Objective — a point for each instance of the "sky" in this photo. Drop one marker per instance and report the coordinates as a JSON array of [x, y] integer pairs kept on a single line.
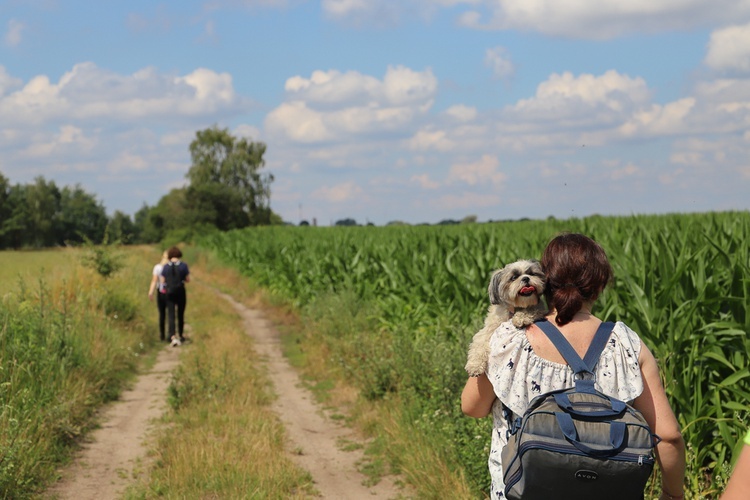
[[389, 110]]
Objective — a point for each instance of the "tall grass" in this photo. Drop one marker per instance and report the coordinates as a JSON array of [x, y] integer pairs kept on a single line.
[[68, 342], [681, 282]]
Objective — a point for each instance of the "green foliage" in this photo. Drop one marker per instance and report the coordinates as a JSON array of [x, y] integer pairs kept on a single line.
[[102, 258], [681, 281], [58, 362]]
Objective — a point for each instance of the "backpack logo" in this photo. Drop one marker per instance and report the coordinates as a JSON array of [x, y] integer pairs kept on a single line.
[[587, 475]]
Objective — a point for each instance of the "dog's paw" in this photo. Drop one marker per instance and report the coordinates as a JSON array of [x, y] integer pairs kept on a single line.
[[475, 371]]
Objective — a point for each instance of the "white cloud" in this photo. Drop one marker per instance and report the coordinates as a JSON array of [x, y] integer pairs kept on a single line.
[[331, 105], [567, 100], [297, 122], [603, 19], [462, 113], [400, 85], [659, 119], [13, 35], [431, 140], [88, 92], [498, 60], [481, 171], [729, 49]]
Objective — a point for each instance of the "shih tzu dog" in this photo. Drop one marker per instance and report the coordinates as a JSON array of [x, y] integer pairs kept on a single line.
[[515, 294]]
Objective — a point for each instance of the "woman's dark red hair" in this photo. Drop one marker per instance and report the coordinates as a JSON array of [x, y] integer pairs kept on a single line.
[[577, 271]]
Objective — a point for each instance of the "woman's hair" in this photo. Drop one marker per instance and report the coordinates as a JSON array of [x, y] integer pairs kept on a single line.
[[174, 253], [577, 271], [164, 258]]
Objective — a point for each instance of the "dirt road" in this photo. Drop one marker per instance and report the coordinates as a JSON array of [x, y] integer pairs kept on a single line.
[[114, 454]]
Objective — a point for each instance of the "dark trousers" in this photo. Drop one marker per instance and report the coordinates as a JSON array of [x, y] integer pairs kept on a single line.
[[161, 305], [176, 304]]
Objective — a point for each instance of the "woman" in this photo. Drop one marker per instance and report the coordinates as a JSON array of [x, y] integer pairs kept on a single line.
[[524, 363], [174, 275], [158, 288]]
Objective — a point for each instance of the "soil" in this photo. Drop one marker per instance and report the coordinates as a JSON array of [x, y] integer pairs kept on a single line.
[[115, 454]]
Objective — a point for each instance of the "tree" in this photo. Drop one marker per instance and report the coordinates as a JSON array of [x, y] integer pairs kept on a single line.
[[346, 222], [226, 168], [81, 217], [43, 213], [121, 228]]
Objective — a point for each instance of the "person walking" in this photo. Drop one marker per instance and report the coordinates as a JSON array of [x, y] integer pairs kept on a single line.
[[524, 363], [157, 289], [174, 275]]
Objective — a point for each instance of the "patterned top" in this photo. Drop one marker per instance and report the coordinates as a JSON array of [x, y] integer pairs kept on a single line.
[[518, 375]]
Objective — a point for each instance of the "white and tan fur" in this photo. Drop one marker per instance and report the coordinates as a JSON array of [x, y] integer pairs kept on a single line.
[[515, 294]]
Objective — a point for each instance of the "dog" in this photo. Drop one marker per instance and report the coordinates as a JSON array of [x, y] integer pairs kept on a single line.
[[515, 294]]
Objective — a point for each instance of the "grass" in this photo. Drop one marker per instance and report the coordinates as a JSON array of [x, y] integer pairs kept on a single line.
[[69, 341]]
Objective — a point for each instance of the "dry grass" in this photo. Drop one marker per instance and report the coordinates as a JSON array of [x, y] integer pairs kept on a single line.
[[222, 441]]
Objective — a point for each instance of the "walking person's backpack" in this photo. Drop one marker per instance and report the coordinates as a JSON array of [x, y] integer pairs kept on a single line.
[[173, 279], [578, 442]]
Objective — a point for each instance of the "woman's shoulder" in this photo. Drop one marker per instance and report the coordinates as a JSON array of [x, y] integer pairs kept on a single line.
[[626, 337]]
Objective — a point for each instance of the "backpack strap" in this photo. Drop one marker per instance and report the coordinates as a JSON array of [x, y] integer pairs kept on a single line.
[[579, 366]]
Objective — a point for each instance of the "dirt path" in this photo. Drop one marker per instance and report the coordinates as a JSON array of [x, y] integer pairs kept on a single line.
[[312, 435], [115, 454]]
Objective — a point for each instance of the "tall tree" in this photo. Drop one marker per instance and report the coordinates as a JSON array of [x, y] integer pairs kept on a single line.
[[43, 205], [81, 217], [121, 228], [227, 167]]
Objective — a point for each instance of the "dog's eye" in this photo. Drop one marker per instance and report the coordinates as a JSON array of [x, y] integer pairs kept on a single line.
[[514, 277]]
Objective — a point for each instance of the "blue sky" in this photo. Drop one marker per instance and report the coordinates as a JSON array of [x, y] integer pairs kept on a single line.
[[411, 110]]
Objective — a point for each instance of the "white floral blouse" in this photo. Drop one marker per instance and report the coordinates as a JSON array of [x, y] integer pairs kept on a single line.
[[518, 375]]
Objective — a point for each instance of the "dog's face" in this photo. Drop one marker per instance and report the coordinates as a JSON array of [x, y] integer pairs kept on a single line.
[[519, 284]]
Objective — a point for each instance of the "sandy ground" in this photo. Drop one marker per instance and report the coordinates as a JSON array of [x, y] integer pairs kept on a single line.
[[115, 454]]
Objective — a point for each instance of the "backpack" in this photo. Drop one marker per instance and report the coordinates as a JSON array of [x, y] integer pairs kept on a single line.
[[173, 279], [578, 442]]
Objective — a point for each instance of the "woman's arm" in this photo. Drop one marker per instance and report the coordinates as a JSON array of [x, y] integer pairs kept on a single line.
[[739, 483], [654, 405], [477, 396], [151, 288]]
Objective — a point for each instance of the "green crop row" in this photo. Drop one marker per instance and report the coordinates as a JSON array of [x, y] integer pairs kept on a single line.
[[681, 281]]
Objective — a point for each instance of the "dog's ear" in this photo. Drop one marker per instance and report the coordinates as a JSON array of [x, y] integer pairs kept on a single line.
[[494, 288]]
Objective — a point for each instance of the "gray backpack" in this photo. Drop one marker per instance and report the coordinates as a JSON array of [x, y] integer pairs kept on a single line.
[[578, 442]]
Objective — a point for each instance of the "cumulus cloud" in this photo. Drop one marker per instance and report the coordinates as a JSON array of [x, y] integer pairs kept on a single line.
[[88, 92], [604, 19], [13, 35], [331, 105], [729, 50], [584, 100]]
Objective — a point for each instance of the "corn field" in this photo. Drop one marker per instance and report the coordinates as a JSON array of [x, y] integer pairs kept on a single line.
[[681, 281]]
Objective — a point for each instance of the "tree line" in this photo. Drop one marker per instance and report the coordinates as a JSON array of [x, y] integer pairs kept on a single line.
[[225, 190]]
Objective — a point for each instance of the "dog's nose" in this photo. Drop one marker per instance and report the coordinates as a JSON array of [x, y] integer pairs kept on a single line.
[[525, 279]]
